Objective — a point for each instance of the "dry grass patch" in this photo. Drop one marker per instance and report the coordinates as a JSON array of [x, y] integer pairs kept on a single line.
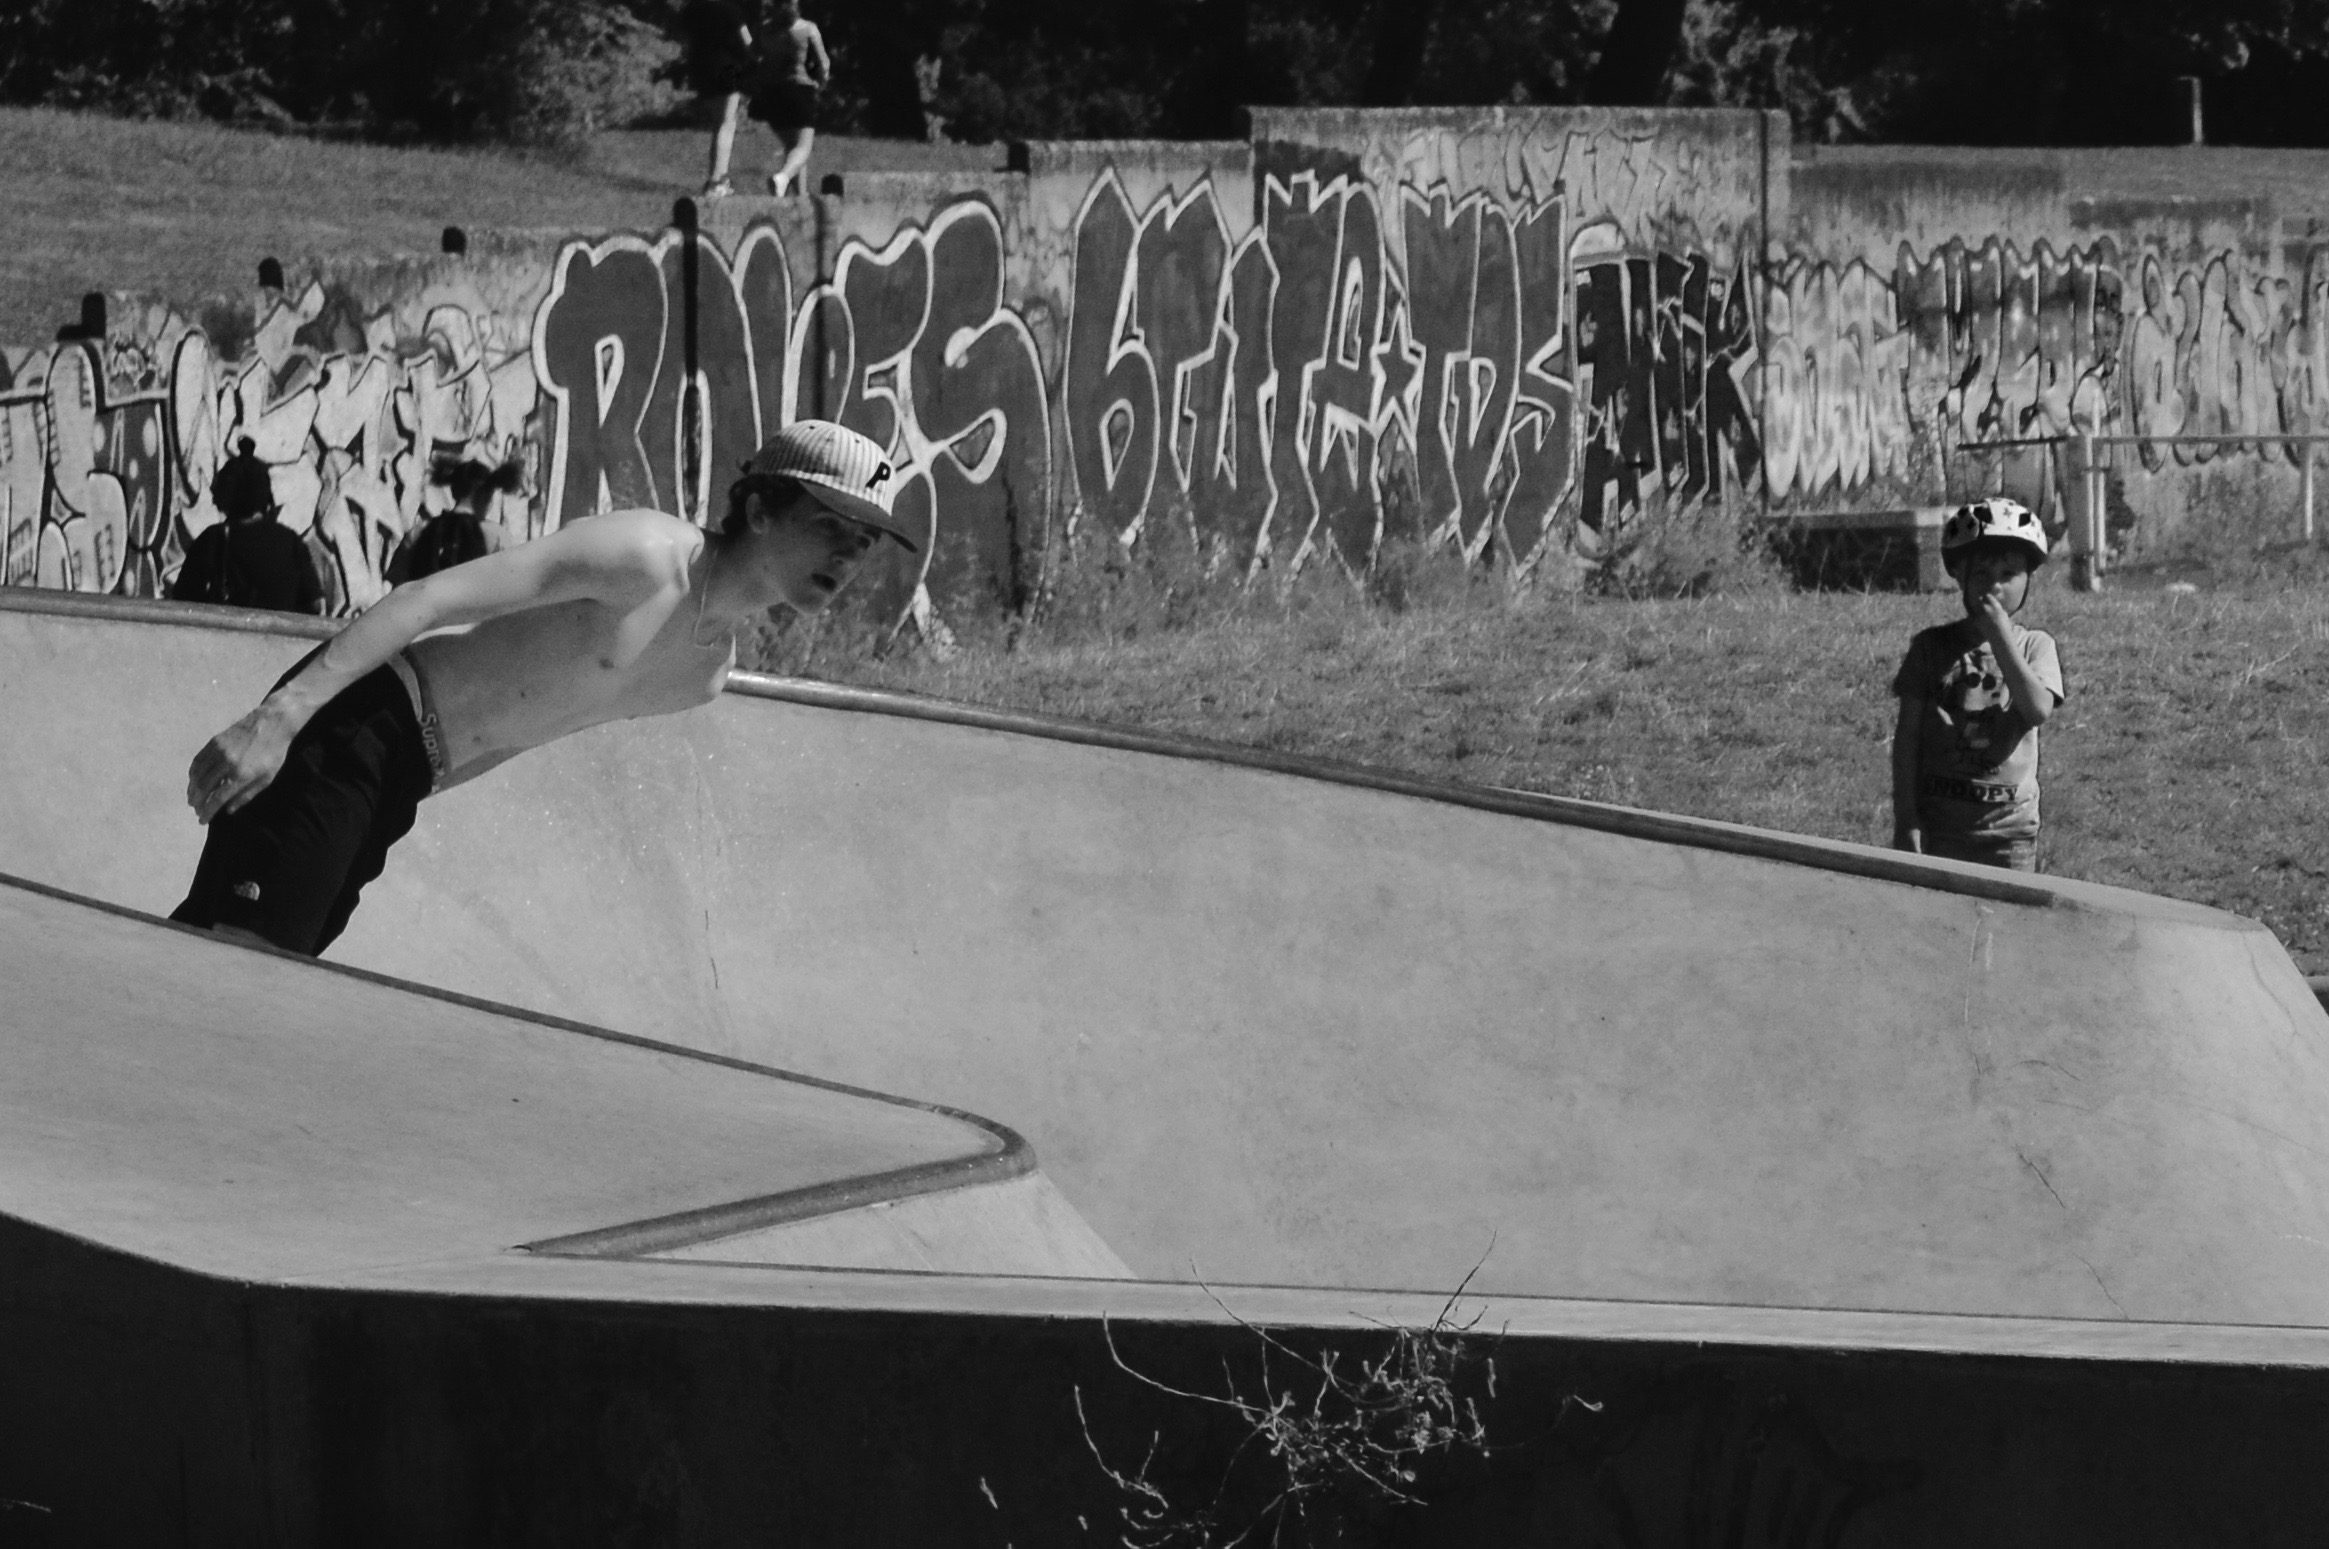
[[2185, 763]]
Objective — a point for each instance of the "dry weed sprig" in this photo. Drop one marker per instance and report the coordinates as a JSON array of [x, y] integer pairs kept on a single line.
[[1364, 1427]]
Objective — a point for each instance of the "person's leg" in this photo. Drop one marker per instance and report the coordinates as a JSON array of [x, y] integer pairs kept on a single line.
[[717, 186], [392, 818], [2010, 854], [271, 870], [796, 158], [249, 938]]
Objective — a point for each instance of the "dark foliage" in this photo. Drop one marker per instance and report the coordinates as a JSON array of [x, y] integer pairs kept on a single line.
[[1635, 54], [1976, 72], [2069, 72], [388, 69]]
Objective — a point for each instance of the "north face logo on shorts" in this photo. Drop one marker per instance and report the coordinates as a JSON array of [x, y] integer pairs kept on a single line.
[[247, 891]]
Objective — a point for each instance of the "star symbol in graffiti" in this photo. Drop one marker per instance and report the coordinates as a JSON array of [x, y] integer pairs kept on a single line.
[[1396, 362]]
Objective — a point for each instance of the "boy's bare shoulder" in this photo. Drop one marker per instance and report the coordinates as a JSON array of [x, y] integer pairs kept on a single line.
[[634, 520], [615, 535], [625, 550]]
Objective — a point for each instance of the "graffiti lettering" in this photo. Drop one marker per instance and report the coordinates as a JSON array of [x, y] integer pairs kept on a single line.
[[1268, 380]]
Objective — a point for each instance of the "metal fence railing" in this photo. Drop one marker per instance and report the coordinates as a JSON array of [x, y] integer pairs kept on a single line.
[[2086, 483]]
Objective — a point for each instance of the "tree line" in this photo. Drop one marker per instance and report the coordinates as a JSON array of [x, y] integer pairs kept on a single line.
[[2027, 72]]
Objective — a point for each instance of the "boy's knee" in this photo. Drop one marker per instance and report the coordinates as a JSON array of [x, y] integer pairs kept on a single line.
[[242, 934]]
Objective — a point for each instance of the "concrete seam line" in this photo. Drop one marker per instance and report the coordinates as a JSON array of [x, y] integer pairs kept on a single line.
[[686, 1228], [1009, 1143]]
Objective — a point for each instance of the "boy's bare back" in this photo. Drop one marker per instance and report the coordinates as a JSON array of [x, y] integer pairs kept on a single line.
[[522, 679]]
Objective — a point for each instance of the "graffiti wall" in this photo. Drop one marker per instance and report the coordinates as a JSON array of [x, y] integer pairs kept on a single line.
[[107, 446], [1874, 377], [1925, 306], [1510, 331]]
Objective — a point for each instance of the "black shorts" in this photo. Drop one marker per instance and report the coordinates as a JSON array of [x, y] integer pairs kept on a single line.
[[785, 105], [290, 864], [726, 68]]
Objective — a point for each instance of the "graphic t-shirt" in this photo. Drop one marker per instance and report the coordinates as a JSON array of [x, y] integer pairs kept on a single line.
[[1977, 761]]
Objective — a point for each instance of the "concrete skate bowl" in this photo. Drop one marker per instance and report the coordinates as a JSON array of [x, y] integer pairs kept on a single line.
[[1274, 1023]]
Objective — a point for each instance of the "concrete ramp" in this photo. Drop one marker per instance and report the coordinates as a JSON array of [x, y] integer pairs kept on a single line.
[[253, 1116], [1270, 1022]]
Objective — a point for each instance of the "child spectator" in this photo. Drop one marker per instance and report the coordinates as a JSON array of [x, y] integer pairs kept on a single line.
[[463, 533], [249, 560], [1972, 697]]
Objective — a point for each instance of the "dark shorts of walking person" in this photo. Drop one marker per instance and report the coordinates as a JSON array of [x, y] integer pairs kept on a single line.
[[785, 105], [290, 866]]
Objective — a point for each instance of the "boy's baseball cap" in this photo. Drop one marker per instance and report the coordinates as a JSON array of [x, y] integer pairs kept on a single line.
[[842, 471]]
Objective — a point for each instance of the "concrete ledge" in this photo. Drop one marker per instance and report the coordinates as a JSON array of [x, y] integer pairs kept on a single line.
[[1894, 550], [1090, 158]]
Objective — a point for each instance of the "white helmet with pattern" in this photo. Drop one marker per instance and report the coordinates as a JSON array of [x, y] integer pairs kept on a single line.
[[1996, 517]]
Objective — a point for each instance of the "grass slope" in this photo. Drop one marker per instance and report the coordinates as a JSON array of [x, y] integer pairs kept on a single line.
[[188, 210]]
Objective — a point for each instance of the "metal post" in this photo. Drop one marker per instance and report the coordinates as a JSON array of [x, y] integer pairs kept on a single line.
[[2085, 562], [691, 407], [2191, 92], [2306, 484], [823, 208], [2098, 511]]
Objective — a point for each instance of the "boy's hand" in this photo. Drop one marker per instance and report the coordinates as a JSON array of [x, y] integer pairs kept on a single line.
[[237, 764], [1909, 837], [1991, 618]]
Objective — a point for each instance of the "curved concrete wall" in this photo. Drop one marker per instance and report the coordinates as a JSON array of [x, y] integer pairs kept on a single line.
[[1265, 1028]]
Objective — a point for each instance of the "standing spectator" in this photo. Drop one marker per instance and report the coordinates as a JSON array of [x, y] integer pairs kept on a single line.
[[250, 560], [1973, 693], [724, 41], [462, 533], [793, 72]]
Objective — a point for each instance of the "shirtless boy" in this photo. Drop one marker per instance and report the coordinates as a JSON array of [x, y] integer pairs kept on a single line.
[[622, 615]]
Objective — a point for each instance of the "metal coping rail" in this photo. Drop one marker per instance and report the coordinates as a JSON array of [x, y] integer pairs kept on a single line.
[[2288, 438], [1568, 811]]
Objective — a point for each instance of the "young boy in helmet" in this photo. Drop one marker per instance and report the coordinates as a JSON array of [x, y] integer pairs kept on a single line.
[[617, 616], [1972, 696]]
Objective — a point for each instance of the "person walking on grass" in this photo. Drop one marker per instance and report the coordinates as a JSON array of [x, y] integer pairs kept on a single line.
[[609, 618], [788, 69], [463, 533], [724, 38], [794, 70], [1972, 696], [248, 560]]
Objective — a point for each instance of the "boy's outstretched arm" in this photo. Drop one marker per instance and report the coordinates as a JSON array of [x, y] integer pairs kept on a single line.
[[1907, 833], [617, 559]]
